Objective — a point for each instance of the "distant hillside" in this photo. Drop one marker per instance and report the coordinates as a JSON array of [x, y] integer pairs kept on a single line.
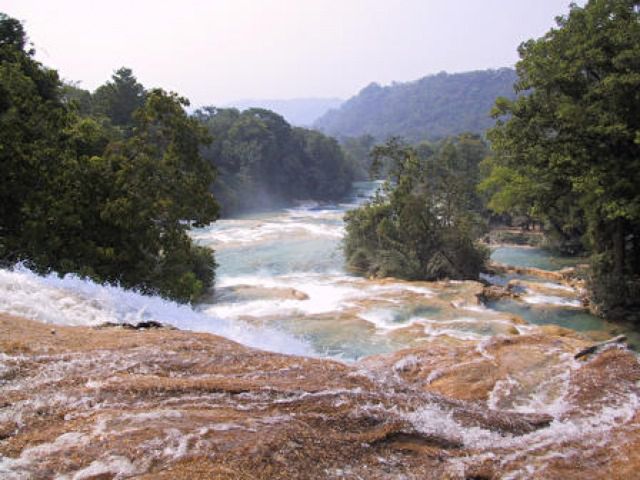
[[433, 107], [300, 112]]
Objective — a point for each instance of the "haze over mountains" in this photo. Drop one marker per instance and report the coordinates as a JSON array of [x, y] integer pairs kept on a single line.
[[301, 112], [430, 108]]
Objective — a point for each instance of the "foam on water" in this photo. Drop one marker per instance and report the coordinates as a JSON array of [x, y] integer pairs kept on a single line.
[[71, 300], [296, 249], [326, 293], [589, 431], [387, 319], [536, 299], [557, 286], [304, 221]]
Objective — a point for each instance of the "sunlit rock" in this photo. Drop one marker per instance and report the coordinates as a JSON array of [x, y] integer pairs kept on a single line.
[[159, 403]]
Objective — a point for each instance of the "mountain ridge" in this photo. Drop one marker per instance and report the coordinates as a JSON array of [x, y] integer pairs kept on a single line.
[[431, 107]]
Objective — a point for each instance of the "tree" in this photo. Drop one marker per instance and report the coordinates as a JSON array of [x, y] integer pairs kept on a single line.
[[423, 224], [357, 150], [80, 196], [138, 200], [264, 162], [573, 136], [32, 123], [78, 98], [119, 98]]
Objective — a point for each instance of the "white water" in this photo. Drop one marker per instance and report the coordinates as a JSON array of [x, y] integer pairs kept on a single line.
[[74, 301], [298, 250], [281, 286]]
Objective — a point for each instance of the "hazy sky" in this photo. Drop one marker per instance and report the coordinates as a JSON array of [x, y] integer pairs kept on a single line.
[[216, 51]]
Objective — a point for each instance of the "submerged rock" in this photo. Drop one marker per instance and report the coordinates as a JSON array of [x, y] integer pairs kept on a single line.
[[564, 275], [252, 292], [163, 404], [496, 292]]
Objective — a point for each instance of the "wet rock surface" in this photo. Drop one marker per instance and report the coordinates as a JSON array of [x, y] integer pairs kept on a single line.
[[157, 403]]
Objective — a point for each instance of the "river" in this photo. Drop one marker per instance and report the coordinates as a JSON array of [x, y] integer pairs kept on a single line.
[[121, 403], [282, 286]]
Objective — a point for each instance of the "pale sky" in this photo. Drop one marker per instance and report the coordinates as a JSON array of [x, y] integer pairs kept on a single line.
[[217, 51]]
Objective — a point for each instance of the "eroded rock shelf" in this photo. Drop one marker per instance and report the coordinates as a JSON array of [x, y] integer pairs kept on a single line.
[[79, 403]]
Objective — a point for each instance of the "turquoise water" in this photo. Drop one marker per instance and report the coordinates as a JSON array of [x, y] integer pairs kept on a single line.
[[285, 270], [575, 319], [578, 319], [281, 285], [521, 256]]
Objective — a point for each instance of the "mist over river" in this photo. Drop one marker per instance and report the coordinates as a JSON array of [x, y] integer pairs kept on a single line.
[[281, 285]]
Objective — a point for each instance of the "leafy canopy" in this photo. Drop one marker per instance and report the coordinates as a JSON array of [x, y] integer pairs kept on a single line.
[[568, 148], [264, 162], [110, 195], [424, 222]]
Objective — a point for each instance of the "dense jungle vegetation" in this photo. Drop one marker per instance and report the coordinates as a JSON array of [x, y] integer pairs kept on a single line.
[[565, 154], [108, 195], [567, 151], [432, 108], [263, 162], [106, 184], [424, 223]]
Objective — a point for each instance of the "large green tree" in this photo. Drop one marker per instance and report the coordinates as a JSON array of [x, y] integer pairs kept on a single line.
[[424, 223], [124, 206], [568, 148], [32, 123], [78, 195]]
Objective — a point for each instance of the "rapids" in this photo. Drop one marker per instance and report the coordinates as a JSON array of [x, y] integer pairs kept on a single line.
[[449, 386], [282, 286]]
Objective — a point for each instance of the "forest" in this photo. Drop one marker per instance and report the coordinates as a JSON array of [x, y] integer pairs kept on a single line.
[[432, 108], [567, 151], [107, 183], [564, 153], [263, 162]]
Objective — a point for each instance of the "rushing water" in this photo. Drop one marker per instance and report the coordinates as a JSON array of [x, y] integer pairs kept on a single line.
[[285, 269], [281, 285]]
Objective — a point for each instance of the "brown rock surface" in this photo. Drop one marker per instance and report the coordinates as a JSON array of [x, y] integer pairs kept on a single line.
[[564, 275], [158, 404]]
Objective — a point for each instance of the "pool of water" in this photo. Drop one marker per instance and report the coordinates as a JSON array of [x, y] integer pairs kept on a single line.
[[522, 256]]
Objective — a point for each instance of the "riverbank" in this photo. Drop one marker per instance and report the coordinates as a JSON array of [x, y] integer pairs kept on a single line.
[[81, 403], [546, 288]]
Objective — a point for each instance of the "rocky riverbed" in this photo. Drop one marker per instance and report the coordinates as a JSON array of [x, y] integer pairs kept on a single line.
[[101, 403]]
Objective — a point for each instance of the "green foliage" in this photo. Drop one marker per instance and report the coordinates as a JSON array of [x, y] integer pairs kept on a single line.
[[423, 223], [358, 150], [79, 195], [32, 120], [431, 108], [119, 98], [567, 150], [78, 98], [263, 161]]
